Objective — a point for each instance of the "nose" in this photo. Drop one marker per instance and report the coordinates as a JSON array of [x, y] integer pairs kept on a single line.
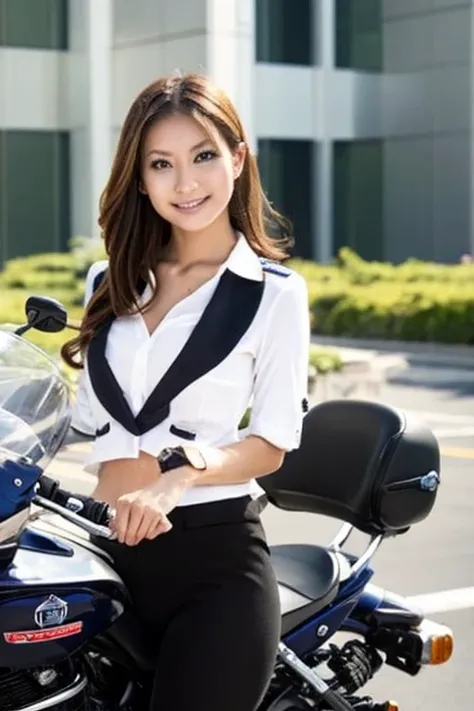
[[186, 183]]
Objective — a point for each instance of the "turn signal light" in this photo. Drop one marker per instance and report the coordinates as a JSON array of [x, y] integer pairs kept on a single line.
[[441, 648], [437, 642]]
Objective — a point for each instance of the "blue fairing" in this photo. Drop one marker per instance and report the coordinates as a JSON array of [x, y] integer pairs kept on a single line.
[[87, 597], [17, 482], [332, 619]]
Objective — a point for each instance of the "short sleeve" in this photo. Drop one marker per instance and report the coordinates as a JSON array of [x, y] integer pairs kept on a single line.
[[93, 272], [281, 368], [82, 418]]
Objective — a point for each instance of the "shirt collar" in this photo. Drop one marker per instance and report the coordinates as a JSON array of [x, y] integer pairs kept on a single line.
[[243, 261]]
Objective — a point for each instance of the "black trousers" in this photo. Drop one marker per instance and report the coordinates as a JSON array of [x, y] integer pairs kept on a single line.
[[208, 594]]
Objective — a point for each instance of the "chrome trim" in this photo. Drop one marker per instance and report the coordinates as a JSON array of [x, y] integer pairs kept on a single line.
[[341, 537], [79, 684], [368, 553], [311, 677], [92, 528], [426, 631], [305, 672]]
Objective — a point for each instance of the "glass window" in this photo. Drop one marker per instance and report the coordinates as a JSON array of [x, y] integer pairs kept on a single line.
[[284, 31], [358, 197], [34, 194], [286, 168], [359, 35], [35, 24]]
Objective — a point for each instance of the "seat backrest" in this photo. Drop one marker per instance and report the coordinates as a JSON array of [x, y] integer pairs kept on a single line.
[[361, 462]]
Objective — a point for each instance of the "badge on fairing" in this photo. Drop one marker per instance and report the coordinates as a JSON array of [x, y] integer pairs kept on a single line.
[[52, 612]]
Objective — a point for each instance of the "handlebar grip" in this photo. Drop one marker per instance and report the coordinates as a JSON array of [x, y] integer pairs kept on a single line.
[[95, 511], [85, 506], [48, 488]]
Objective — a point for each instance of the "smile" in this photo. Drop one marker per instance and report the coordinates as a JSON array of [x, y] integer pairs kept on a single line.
[[191, 205]]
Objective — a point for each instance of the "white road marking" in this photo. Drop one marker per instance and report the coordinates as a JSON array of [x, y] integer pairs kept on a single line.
[[443, 417], [444, 601], [456, 432]]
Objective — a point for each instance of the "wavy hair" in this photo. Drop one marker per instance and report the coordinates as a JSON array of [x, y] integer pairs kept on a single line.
[[134, 234]]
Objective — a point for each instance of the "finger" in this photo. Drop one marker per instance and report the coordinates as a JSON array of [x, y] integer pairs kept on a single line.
[[148, 523], [137, 515], [120, 522], [163, 526]]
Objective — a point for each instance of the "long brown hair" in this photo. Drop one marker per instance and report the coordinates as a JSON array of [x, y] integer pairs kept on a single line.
[[134, 234]]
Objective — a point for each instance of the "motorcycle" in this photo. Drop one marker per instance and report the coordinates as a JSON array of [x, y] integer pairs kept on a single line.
[[69, 640]]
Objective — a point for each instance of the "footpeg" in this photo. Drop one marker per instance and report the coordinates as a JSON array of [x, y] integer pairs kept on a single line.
[[370, 705], [323, 692]]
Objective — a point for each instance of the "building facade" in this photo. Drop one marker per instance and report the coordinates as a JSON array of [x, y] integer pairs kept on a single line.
[[360, 112]]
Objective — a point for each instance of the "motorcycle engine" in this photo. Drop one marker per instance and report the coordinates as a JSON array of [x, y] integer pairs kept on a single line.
[[62, 687]]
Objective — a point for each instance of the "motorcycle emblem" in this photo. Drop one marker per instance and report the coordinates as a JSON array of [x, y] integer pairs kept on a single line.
[[52, 612]]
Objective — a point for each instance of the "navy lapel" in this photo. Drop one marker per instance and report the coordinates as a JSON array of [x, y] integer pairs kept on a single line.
[[225, 320], [104, 383]]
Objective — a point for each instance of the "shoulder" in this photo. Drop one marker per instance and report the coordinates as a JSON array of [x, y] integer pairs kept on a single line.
[[280, 278], [96, 270], [270, 267]]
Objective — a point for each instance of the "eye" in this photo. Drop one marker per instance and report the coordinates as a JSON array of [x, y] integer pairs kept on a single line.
[[160, 164], [205, 156]]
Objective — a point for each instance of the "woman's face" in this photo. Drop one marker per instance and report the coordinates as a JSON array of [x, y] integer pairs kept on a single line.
[[188, 177]]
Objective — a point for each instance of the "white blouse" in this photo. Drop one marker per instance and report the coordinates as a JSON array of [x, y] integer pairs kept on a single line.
[[267, 369]]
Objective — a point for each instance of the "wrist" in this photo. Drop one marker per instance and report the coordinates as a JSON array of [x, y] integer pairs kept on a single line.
[[184, 476], [182, 457]]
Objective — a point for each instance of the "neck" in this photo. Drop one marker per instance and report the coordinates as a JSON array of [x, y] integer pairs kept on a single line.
[[212, 244]]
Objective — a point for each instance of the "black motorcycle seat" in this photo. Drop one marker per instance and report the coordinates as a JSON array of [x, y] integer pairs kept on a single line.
[[308, 578]]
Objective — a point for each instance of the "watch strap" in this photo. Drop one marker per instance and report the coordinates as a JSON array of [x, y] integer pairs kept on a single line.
[[172, 458]]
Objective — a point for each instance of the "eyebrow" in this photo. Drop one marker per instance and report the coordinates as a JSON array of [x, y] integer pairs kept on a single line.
[[199, 145]]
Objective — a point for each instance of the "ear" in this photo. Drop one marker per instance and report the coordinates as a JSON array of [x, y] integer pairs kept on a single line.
[[141, 188], [238, 159]]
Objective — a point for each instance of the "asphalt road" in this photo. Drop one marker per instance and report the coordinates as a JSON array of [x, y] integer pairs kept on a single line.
[[435, 556]]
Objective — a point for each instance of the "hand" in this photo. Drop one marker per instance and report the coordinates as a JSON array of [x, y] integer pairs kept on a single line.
[[143, 513]]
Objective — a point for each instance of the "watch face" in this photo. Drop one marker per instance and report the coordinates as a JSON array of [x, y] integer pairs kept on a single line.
[[195, 457]]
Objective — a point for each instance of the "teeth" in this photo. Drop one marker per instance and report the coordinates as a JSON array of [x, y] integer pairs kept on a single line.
[[190, 205]]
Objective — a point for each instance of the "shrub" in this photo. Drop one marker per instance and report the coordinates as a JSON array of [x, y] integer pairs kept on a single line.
[[40, 272], [357, 271], [85, 252], [415, 300], [397, 311], [324, 360]]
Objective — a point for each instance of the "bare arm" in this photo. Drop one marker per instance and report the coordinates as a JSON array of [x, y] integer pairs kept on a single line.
[[250, 458]]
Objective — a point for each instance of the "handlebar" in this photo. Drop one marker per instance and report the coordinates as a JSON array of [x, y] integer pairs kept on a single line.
[[91, 515]]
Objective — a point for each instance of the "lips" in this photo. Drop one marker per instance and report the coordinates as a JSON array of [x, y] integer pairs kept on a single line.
[[190, 205]]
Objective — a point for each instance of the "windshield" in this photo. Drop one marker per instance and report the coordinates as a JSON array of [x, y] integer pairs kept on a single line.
[[34, 403]]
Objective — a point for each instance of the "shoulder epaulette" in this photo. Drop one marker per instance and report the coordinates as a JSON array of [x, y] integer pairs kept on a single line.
[[274, 268]]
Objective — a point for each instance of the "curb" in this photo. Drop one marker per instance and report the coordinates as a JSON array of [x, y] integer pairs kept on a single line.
[[428, 354]]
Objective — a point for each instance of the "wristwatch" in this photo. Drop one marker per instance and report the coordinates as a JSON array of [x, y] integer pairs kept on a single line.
[[175, 457]]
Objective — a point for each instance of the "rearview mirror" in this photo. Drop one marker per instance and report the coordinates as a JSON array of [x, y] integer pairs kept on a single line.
[[44, 314]]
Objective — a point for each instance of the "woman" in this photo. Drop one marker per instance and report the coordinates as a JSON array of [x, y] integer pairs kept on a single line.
[[185, 327]]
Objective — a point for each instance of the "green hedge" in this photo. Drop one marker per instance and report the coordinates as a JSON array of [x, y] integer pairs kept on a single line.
[[394, 311], [351, 269], [62, 277], [54, 275], [413, 301]]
